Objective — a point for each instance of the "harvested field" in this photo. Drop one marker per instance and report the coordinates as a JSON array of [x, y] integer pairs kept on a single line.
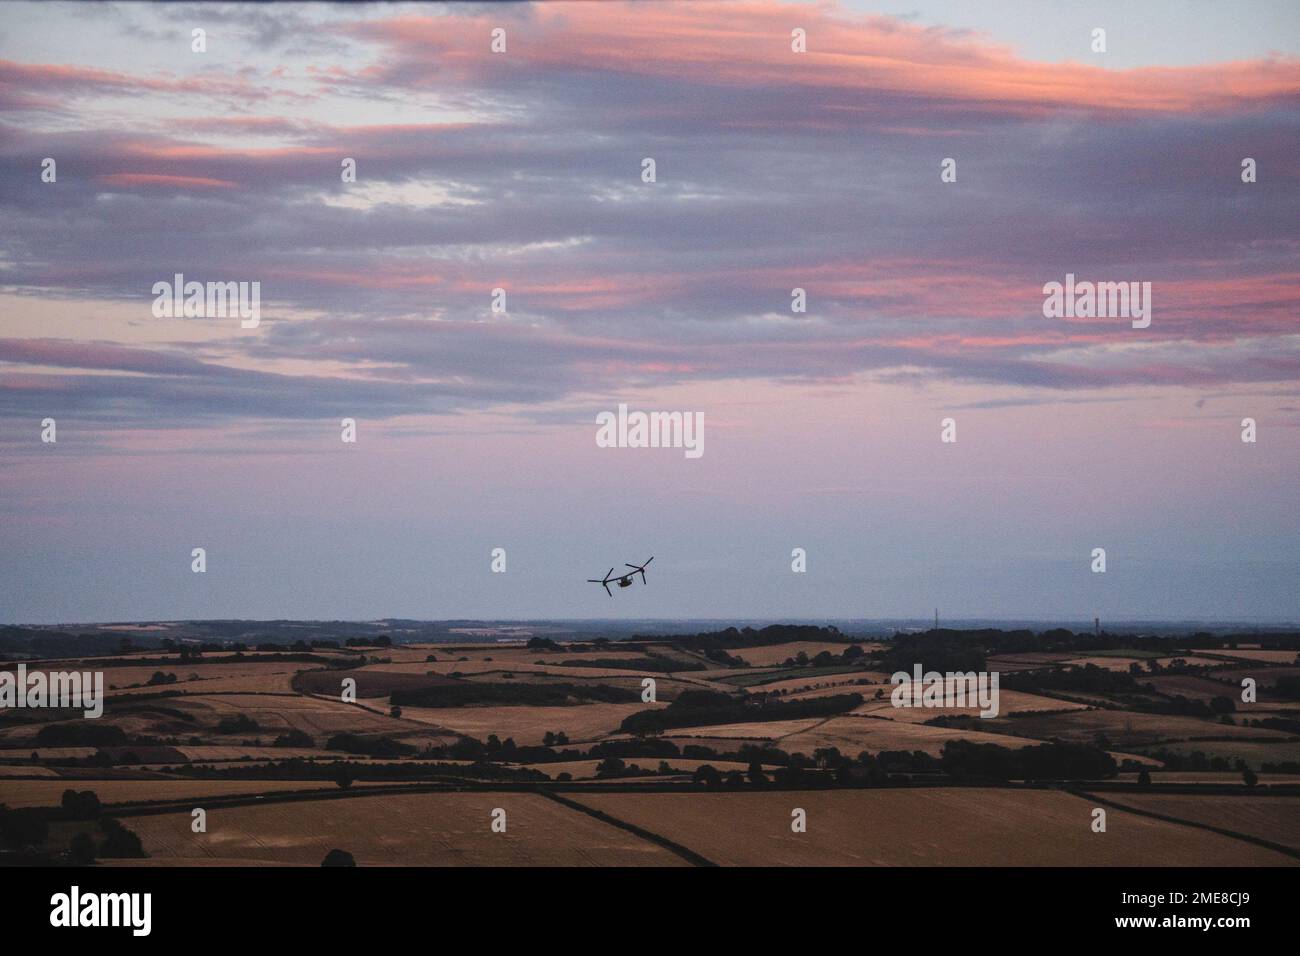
[[1129, 729], [141, 720], [1267, 657], [23, 753], [773, 655], [586, 769], [528, 725], [666, 688], [275, 714], [756, 730], [923, 827], [1229, 778], [850, 734], [559, 660], [1122, 663], [18, 770], [1009, 702], [265, 681], [1273, 818], [1206, 689], [42, 793], [469, 669], [1264, 676], [434, 829], [765, 680], [370, 682], [853, 682], [190, 674], [1254, 754], [204, 753]]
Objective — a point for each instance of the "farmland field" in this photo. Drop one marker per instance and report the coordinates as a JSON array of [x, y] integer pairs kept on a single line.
[[436, 829], [1126, 729], [934, 827], [279, 713], [1276, 819], [855, 734], [273, 729], [528, 725], [47, 793], [773, 655]]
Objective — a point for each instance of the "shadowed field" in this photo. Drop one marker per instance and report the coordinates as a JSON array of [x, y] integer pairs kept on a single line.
[[434, 829]]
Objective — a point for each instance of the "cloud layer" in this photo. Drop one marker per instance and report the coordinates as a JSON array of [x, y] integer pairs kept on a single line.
[[522, 171]]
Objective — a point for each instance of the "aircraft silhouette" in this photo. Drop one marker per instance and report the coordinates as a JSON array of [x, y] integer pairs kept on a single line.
[[624, 580]]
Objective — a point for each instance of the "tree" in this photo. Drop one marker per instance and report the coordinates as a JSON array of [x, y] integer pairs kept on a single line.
[[1249, 776], [338, 857], [1144, 777], [83, 805], [119, 842], [395, 711], [23, 827], [828, 758], [82, 849], [343, 779], [706, 775]]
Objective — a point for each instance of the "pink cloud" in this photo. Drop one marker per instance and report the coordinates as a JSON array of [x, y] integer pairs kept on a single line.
[[156, 179], [748, 45]]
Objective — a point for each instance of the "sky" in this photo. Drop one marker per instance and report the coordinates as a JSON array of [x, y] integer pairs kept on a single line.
[[522, 170]]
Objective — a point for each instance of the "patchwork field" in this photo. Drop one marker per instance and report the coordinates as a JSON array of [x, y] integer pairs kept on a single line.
[[874, 779]]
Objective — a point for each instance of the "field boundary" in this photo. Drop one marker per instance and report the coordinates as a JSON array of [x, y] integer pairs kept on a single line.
[[1166, 818], [684, 852]]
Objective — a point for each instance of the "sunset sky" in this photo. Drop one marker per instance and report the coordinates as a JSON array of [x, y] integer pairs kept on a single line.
[[775, 170]]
